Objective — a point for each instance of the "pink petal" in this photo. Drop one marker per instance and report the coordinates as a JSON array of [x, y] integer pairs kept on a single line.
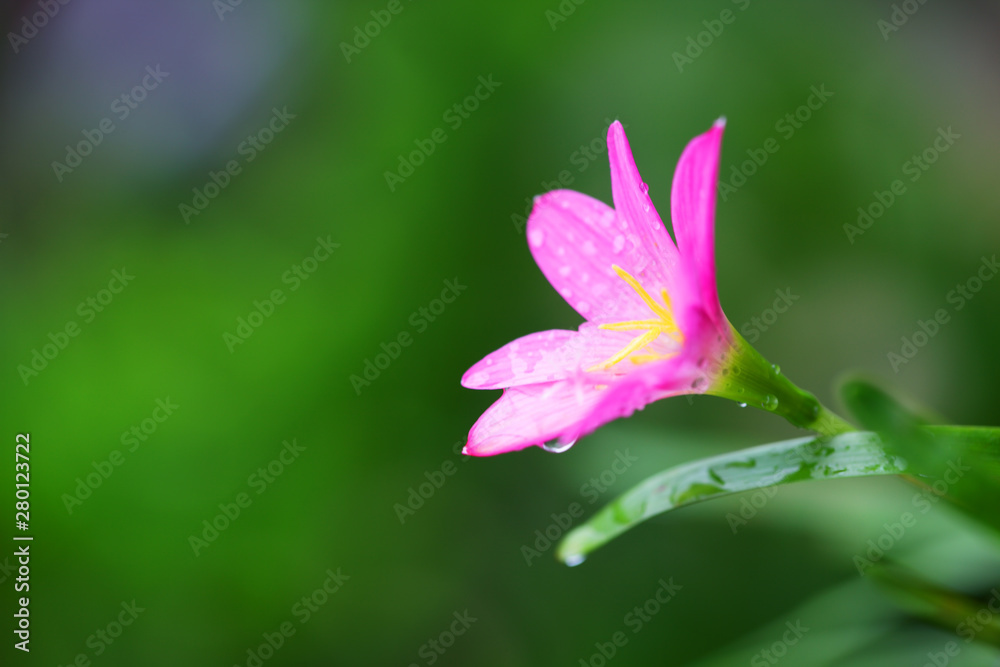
[[546, 356], [633, 204], [576, 240], [646, 384], [692, 207], [531, 415]]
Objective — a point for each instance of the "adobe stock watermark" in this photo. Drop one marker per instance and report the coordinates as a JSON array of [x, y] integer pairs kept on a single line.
[[87, 310], [562, 12], [635, 620], [223, 7], [922, 502], [581, 158], [420, 320], [786, 127], [759, 324], [249, 149], [779, 648], [454, 116], [899, 16], [105, 636], [302, 611], [957, 298], [697, 44], [752, 504], [121, 108], [435, 647], [258, 481], [294, 276], [913, 168], [433, 480], [971, 626], [32, 23], [591, 491], [363, 36], [103, 469]]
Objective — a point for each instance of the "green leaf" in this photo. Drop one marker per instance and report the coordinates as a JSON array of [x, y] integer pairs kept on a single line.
[[879, 409], [959, 465], [940, 458], [948, 609], [855, 454]]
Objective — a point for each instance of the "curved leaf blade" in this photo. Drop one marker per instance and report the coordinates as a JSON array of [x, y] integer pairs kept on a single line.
[[855, 454]]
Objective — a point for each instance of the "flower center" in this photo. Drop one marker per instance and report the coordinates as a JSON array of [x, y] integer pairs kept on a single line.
[[652, 328]]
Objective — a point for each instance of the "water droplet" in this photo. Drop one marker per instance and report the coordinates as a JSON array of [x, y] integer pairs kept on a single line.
[[698, 383], [743, 405], [619, 244], [644, 188], [770, 402], [740, 390], [737, 370], [574, 559], [776, 368], [558, 446], [565, 270], [701, 362], [536, 238], [725, 371]]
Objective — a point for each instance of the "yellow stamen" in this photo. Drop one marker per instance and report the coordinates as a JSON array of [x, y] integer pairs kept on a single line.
[[663, 324], [636, 344], [643, 294], [643, 358]]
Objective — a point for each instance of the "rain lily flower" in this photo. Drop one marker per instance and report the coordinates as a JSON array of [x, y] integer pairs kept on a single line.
[[654, 326]]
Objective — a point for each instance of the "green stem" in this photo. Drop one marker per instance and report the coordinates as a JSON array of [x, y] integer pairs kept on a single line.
[[747, 377]]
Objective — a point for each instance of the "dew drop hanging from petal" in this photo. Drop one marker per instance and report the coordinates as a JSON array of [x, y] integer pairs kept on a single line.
[[558, 446]]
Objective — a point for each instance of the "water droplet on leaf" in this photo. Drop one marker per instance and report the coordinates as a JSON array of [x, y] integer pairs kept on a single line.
[[743, 405], [574, 559], [770, 402]]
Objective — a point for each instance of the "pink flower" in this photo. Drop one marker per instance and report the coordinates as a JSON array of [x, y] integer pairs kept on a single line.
[[654, 324]]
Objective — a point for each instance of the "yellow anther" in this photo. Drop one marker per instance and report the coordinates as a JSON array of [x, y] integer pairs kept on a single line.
[[637, 344], [663, 324], [643, 294]]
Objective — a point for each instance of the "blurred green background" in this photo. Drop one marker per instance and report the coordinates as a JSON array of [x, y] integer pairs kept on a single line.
[[561, 71]]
